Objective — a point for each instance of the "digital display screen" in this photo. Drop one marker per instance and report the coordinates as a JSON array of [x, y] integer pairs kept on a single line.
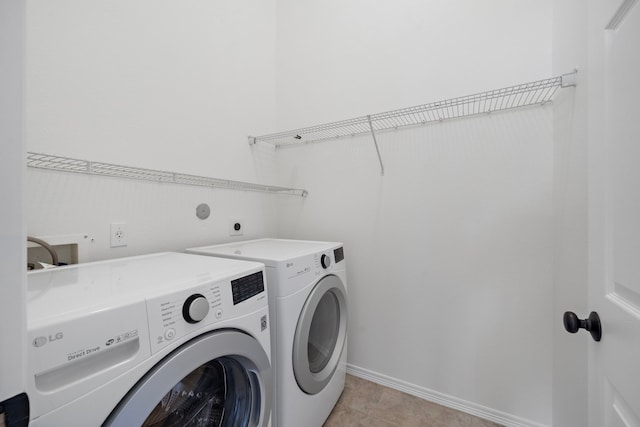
[[338, 254], [246, 287]]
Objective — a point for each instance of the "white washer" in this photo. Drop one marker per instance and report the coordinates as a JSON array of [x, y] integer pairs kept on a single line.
[[308, 303], [165, 339]]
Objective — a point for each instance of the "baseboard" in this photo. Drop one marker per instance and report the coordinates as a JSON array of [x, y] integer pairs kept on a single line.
[[499, 417]]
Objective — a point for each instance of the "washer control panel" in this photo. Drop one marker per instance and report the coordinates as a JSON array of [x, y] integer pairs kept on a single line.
[[195, 308], [178, 314], [246, 287]]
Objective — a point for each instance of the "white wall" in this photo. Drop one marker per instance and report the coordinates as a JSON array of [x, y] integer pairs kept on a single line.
[[570, 200], [154, 84], [450, 254], [158, 217], [12, 228], [360, 58]]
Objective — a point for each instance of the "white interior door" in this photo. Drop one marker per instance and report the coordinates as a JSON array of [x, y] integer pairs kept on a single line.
[[614, 210]]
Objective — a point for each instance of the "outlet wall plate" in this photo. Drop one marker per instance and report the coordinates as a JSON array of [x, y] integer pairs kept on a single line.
[[236, 227], [119, 235]]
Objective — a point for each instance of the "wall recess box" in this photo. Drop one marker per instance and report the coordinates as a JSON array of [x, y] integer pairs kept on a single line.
[[71, 249]]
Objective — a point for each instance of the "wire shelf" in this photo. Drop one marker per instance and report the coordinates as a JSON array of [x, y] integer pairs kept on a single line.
[[522, 95], [66, 164]]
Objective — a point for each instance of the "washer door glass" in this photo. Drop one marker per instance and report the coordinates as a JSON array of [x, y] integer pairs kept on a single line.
[[222, 379], [217, 393], [320, 335]]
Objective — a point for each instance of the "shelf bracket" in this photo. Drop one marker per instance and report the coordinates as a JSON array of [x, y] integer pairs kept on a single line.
[[375, 142], [569, 79]]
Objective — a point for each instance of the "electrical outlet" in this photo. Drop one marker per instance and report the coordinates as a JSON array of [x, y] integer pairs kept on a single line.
[[119, 236], [236, 227]]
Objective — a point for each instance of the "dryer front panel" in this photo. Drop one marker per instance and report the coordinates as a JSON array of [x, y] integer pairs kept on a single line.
[[320, 335]]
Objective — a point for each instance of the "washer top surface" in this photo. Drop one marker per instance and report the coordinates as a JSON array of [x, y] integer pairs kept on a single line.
[[268, 251], [85, 288]]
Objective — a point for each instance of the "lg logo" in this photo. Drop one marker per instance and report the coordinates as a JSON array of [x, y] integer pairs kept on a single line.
[[40, 341]]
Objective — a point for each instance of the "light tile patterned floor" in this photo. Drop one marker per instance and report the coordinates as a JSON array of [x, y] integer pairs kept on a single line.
[[366, 404]]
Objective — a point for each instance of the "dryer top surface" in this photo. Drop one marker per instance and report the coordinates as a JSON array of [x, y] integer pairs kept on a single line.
[[268, 251]]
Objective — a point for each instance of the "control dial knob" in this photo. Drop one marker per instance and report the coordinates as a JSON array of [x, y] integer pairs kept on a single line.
[[195, 308], [325, 260]]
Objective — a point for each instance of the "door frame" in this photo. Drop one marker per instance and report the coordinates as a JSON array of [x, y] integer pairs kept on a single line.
[[13, 275]]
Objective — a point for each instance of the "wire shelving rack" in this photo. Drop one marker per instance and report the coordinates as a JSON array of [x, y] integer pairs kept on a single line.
[[523, 95], [67, 164]]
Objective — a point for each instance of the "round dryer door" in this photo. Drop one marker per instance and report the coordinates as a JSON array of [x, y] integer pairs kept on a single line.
[[221, 379], [320, 335]]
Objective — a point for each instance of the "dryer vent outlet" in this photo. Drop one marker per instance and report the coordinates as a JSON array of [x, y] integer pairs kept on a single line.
[[236, 227]]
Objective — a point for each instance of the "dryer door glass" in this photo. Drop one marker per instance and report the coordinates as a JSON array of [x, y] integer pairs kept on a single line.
[[320, 335], [217, 393], [323, 332]]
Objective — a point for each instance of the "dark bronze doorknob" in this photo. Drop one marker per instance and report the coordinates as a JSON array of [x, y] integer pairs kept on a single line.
[[592, 324]]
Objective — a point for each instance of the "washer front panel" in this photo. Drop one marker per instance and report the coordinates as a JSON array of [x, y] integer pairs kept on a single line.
[[94, 324]]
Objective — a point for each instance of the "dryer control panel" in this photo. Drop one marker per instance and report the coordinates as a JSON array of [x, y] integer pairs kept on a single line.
[[325, 260]]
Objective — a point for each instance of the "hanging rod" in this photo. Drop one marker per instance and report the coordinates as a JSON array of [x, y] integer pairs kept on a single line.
[[522, 95], [67, 164]]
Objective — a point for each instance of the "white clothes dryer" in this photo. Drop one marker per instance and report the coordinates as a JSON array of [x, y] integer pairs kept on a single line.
[[308, 304], [165, 339]]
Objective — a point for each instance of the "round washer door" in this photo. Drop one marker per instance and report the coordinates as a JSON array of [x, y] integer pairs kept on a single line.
[[218, 379], [320, 335]]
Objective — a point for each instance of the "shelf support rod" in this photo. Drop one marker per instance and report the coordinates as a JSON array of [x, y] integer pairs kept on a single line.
[[375, 142]]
